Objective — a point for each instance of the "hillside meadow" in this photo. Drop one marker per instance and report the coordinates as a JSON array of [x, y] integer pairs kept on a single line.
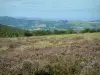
[[66, 54]]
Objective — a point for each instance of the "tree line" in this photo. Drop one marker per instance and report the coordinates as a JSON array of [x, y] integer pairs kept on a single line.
[[6, 31], [57, 32]]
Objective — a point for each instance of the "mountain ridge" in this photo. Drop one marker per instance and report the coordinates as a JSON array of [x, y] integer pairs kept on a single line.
[[37, 24]]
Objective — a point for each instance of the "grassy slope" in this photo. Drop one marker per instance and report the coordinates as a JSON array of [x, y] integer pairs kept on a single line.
[[80, 25], [7, 31], [72, 54]]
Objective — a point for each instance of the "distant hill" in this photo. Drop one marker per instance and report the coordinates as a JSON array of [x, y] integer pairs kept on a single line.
[[37, 24]]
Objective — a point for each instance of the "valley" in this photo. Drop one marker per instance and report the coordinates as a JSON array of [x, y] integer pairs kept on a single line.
[[40, 24]]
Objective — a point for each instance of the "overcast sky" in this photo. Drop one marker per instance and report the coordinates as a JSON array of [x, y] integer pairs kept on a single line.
[[53, 9]]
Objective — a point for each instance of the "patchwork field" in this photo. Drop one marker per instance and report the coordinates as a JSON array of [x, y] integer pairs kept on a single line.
[[68, 54]]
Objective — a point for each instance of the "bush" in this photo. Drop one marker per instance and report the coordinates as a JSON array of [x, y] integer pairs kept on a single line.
[[59, 32], [89, 30], [28, 33], [70, 31]]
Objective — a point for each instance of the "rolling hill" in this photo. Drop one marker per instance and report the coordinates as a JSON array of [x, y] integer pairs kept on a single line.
[[32, 24]]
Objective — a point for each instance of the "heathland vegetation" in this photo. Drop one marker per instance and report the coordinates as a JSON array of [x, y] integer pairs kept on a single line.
[[71, 54], [59, 52]]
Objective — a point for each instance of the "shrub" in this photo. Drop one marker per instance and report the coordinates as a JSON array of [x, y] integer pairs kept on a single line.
[[28, 33], [89, 30], [70, 31]]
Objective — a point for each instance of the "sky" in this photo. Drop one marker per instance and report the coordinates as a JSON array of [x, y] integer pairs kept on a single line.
[[52, 9]]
